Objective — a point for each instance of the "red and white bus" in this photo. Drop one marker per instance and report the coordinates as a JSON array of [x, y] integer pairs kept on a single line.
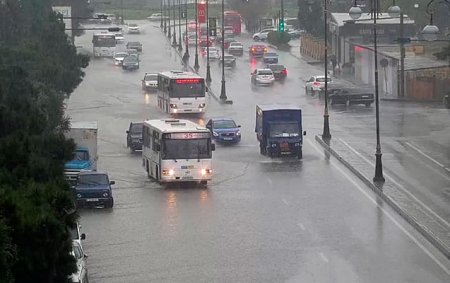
[[233, 19]]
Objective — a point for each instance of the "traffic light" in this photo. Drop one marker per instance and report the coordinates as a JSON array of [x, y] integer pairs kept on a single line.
[[281, 25], [212, 24]]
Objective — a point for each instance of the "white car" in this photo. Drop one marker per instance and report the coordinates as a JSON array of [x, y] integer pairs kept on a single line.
[[191, 40], [263, 77], [81, 275], [316, 84], [133, 28], [236, 48], [118, 58], [156, 17], [214, 53], [119, 37], [150, 81], [76, 234], [262, 35]]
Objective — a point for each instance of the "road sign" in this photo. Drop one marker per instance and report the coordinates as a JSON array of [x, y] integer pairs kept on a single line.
[[212, 25]]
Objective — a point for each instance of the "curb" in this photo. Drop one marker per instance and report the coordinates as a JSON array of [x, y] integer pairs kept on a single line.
[[411, 220]]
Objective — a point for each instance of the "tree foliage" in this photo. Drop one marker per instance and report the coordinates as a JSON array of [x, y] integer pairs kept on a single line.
[[38, 67], [278, 38], [310, 17], [251, 11]]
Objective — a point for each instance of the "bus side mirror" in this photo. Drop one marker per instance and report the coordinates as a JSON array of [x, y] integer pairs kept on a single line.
[[304, 133], [158, 147], [83, 236], [213, 146]]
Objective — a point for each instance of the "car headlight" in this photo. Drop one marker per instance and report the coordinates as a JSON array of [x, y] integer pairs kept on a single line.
[[238, 133], [201, 105], [215, 134], [274, 145], [78, 195], [105, 194]]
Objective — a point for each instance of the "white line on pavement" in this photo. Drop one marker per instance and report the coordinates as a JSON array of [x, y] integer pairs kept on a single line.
[[324, 258], [301, 226], [427, 156], [285, 201], [372, 200], [400, 186]]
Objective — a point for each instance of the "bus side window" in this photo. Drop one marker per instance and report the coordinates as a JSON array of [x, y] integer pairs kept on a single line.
[[155, 141]]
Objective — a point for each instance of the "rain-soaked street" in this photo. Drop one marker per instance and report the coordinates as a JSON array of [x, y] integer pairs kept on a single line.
[[260, 219]]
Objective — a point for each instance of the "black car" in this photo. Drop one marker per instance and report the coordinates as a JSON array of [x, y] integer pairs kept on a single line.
[[134, 136], [130, 62], [279, 71], [228, 61], [447, 101], [134, 45], [351, 95], [94, 188]]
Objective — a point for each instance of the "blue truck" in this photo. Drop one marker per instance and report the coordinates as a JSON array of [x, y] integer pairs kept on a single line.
[[279, 130]]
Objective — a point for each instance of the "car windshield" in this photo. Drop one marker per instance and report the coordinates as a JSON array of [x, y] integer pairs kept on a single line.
[[322, 80], [264, 72], [228, 57], [276, 67], [279, 130], [270, 54], [118, 35], [224, 124], [81, 155], [152, 77], [134, 44], [236, 44], [132, 25], [130, 59], [212, 49], [136, 128], [120, 55], [93, 179], [77, 252], [74, 235], [187, 90], [186, 149]]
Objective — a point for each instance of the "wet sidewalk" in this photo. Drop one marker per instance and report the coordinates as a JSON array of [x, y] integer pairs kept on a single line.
[[424, 220]]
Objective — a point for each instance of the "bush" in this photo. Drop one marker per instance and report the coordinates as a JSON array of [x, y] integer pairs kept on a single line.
[[278, 38]]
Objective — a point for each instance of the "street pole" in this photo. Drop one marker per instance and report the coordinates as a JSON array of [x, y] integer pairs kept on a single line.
[[121, 12], [169, 35], [196, 65], [223, 95], [180, 43], [161, 25], [378, 178], [282, 14], [174, 42], [402, 57], [208, 67], [326, 124], [164, 15], [186, 52]]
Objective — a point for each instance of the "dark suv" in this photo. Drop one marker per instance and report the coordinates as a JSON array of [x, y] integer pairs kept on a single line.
[[94, 188], [134, 136]]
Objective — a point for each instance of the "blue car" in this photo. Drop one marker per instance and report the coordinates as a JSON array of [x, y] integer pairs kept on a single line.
[[94, 188], [224, 130], [270, 58]]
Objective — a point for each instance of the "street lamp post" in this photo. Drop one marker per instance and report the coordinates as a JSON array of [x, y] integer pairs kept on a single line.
[[186, 52], [196, 65], [174, 42], [180, 44], [164, 16], [223, 95], [208, 67], [326, 123], [430, 32], [161, 24], [169, 34]]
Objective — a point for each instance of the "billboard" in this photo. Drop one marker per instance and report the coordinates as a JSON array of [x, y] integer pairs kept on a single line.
[[66, 12]]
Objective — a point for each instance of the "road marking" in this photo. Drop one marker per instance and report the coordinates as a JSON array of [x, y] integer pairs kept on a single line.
[[269, 180], [372, 200], [285, 201], [301, 226], [270, 161], [400, 186], [428, 157], [324, 258]]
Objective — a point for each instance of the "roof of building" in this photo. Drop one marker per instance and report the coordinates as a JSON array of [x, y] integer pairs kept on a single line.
[[341, 18], [418, 62]]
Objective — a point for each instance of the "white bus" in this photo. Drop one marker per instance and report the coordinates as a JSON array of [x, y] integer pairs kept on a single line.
[[181, 92], [177, 151], [104, 44]]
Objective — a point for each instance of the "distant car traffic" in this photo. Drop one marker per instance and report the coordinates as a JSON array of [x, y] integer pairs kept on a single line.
[[279, 71], [316, 85], [134, 45], [134, 136], [262, 77], [213, 53], [224, 130], [133, 28], [150, 82], [228, 61], [257, 50], [263, 34], [156, 17], [119, 37], [270, 58], [94, 188], [118, 58], [236, 48], [130, 62], [203, 41]]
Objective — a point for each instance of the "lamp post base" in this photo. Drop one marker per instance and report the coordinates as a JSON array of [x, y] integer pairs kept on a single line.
[[208, 73], [196, 65], [223, 95], [378, 169], [326, 128]]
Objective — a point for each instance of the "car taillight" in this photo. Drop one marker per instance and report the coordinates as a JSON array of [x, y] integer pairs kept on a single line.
[[253, 49], [284, 72], [316, 83], [265, 49]]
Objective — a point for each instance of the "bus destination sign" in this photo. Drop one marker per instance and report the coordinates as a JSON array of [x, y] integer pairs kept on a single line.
[[187, 136]]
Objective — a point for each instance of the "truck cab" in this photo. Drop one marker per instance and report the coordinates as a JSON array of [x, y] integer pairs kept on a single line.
[[279, 130], [80, 162]]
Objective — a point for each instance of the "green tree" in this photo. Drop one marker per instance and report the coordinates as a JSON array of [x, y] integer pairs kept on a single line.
[[310, 17], [251, 11]]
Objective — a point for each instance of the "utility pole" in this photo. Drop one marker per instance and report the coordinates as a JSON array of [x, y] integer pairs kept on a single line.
[[402, 57]]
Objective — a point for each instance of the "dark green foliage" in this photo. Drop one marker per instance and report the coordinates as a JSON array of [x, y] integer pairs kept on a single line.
[[310, 17], [38, 67], [443, 54], [278, 38]]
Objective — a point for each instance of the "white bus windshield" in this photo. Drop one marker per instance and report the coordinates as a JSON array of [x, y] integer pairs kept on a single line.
[[104, 41], [284, 130], [184, 89], [186, 149]]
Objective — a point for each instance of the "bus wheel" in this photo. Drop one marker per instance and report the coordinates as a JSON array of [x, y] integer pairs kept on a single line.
[[204, 184]]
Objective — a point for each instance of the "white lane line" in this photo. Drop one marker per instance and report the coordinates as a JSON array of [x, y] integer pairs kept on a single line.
[[428, 157], [284, 201], [400, 186], [270, 161], [324, 258], [372, 200], [301, 226], [269, 180]]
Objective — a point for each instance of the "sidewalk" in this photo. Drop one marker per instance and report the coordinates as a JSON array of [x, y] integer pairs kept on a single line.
[[430, 225]]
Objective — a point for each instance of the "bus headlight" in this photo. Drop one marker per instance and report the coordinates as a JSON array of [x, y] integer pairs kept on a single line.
[[215, 134], [168, 172], [206, 171], [173, 106], [201, 105]]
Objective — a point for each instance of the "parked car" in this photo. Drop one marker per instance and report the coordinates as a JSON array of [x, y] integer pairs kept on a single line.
[[316, 84], [134, 45], [270, 58], [228, 61], [352, 95], [81, 275], [76, 234], [150, 82], [134, 136], [224, 130], [262, 77], [118, 58], [130, 62], [119, 37], [133, 28], [236, 48], [257, 50], [94, 188], [279, 71], [262, 34]]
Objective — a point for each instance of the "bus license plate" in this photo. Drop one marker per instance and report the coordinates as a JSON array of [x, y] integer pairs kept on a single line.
[[92, 199], [187, 178]]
